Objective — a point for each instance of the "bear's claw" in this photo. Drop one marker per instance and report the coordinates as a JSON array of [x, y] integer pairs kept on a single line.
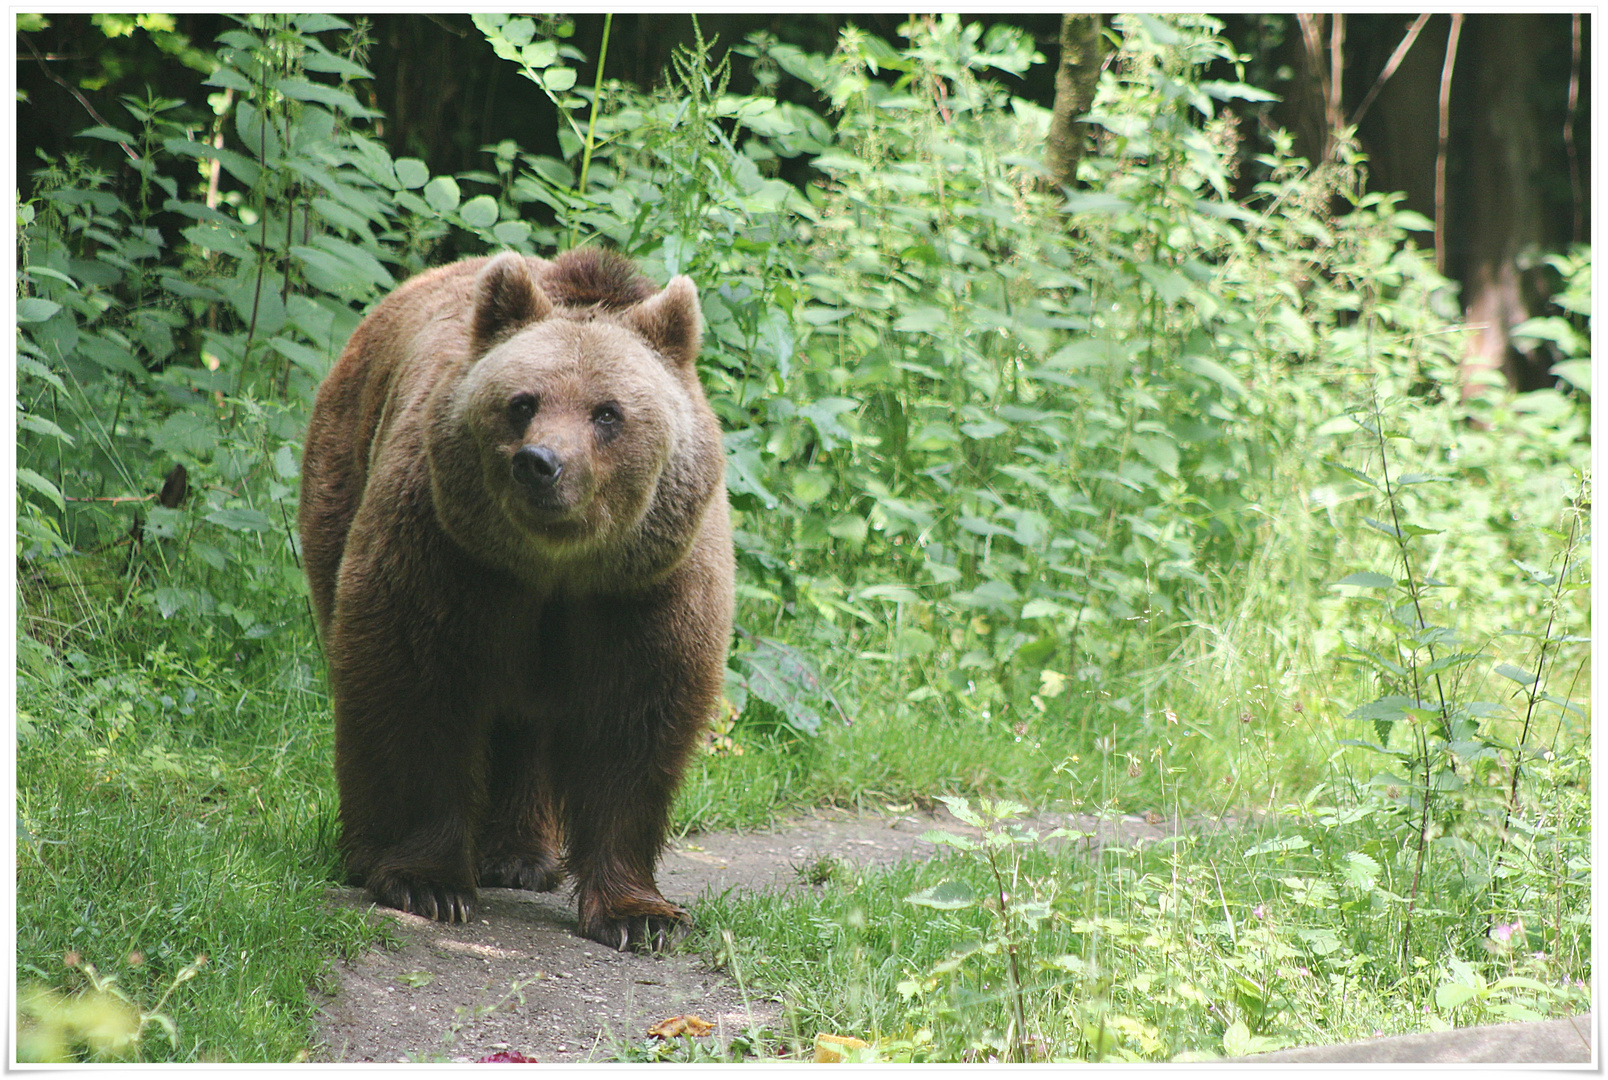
[[443, 903], [649, 933]]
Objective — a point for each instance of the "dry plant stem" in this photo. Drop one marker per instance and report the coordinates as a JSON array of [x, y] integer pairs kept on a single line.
[[1443, 137]]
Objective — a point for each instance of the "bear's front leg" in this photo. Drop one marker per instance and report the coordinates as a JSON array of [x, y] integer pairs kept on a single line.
[[616, 827], [410, 768]]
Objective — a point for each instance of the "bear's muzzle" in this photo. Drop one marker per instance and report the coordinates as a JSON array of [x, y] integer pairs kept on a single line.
[[537, 469]]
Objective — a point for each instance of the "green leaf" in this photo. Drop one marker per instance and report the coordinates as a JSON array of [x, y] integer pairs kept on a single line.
[[960, 806], [1450, 995], [1576, 373], [784, 677], [110, 134], [518, 32], [1159, 451], [35, 309], [823, 414], [309, 360], [43, 486], [897, 594], [442, 194], [924, 319], [1041, 608], [329, 96], [511, 233], [1517, 674], [241, 519], [1359, 871], [1228, 91], [42, 426], [1214, 371], [1357, 475], [1367, 579], [949, 839], [1282, 843], [945, 896], [27, 365], [1095, 203], [479, 212], [983, 429], [810, 486], [411, 172], [991, 595], [558, 79], [213, 238], [1391, 708]]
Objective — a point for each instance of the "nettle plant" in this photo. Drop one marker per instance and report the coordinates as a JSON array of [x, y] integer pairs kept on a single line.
[[1005, 435], [1455, 764], [176, 317]]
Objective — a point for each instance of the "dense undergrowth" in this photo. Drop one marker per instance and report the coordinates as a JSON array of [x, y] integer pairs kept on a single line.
[[1134, 498]]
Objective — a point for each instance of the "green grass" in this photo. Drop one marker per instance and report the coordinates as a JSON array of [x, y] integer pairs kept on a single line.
[[149, 838], [176, 800], [1226, 943]]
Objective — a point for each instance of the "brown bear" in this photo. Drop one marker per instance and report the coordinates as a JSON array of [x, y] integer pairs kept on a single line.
[[516, 534]]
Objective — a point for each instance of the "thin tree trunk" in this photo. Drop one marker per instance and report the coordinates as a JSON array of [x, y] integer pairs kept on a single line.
[[1082, 53]]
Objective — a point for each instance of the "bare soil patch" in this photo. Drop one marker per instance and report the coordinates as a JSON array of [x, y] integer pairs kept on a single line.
[[517, 979]]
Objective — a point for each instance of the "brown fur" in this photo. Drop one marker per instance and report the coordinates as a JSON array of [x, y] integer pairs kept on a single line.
[[522, 649]]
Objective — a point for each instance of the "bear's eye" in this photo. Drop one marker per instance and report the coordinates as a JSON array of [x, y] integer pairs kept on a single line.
[[606, 415], [521, 408]]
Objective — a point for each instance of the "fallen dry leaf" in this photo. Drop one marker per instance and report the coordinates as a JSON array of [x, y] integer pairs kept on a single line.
[[831, 1048], [680, 1025]]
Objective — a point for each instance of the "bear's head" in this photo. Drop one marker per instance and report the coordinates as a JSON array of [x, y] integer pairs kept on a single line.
[[576, 439]]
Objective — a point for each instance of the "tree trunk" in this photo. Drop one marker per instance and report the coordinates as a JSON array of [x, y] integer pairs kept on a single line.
[[1082, 53], [1502, 213]]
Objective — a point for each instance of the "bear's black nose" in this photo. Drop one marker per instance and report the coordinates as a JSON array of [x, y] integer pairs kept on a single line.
[[537, 467]]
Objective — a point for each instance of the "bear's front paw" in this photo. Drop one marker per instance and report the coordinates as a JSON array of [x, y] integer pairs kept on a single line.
[[540, 874], [432, 900], [652, 933]]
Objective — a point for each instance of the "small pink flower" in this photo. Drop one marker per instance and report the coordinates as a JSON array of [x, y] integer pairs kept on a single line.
[[1503, 932], [1259, 912]]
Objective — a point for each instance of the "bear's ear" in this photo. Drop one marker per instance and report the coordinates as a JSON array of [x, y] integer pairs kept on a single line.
[[670, 321], [506, 298]]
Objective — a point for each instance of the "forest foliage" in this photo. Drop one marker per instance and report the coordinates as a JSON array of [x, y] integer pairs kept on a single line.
[[1042, 461], [953, 398]]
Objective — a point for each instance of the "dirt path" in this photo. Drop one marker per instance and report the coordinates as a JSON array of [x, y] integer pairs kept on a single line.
[[518, 980]]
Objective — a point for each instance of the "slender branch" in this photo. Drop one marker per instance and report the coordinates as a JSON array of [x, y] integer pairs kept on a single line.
[[1390, 67], [73, 90], [1444, 136], [1337, 63]]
